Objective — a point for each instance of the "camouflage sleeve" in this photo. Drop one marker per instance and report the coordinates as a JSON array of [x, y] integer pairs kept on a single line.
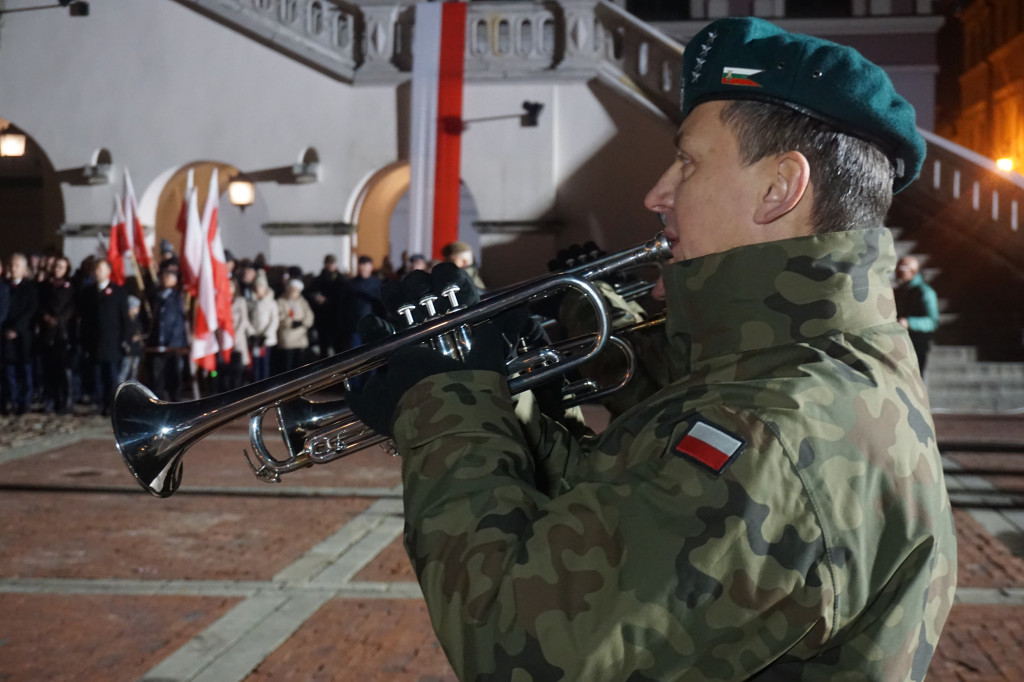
[[577, 314], [550, 442], [651, 570]]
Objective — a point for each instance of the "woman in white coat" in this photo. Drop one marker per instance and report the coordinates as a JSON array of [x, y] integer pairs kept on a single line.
[[264, 315], [240, 356], [293, 330]]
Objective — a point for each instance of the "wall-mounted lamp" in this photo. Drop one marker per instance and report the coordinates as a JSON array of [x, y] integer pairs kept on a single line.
[[532, 114], [308, 168], [241, 191], [76, 8], [242, 188], [12, 144], [528, 119], [1005, 164], [98, 170]]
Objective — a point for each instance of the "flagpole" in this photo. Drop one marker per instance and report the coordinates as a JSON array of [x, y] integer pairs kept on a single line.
[[143, 293]]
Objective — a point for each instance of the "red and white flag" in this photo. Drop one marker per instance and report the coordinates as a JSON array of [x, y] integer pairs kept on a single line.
[[710, 445], [204, 341], [192, 241], [219, 262], [133, 226], [438, 49], [117, 245]]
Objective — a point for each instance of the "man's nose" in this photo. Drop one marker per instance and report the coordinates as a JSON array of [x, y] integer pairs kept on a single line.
[[660, 198]]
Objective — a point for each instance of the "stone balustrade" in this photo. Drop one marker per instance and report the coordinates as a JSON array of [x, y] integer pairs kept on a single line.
[[955, 175], [326, 35], [371, 43], [648, 59], [777, 9]]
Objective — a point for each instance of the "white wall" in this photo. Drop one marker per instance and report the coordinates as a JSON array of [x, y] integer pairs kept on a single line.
[[159, 86]]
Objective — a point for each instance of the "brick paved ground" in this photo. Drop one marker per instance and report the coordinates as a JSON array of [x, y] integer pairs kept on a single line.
[[233, 580]]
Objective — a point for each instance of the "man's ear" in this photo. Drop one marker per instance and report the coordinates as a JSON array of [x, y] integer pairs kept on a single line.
[[788, 175]]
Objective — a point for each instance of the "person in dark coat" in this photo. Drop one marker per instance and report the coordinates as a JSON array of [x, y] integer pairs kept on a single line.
[[17, 332], [363, 298], [327, 295], [5, 305], [167, 338], [105, 332], [56, 314]]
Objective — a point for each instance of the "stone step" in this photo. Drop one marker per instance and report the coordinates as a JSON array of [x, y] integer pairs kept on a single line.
[[975, 402], [952, 354], [1009, 372], [979, 387]]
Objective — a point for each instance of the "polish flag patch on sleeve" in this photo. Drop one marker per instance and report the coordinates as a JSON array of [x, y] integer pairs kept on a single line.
[[710, 446]]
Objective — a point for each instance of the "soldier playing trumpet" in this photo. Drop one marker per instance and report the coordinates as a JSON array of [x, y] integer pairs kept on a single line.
[[778, 512]]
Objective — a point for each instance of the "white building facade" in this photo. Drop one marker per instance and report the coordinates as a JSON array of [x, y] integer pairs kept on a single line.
[[161, 86]]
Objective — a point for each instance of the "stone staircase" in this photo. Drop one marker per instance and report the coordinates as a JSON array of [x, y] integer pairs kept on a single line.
[[962, 220], [960, 383]]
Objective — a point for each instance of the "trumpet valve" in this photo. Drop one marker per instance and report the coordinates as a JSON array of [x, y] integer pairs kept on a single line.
[[428, 303], [449, 293], [406, 312], [446, 344]]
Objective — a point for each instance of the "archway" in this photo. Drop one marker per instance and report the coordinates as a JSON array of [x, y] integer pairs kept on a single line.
[[381, 215], [31, 201], [373, 209]]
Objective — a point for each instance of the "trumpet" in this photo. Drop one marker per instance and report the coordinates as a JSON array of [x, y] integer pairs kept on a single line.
[[153, 436], [327, 430]]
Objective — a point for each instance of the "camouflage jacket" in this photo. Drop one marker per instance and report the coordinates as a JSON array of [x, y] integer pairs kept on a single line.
[[806, 536]]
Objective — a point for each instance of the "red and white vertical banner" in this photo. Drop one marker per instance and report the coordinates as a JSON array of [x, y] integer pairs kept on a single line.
[[439, 57]]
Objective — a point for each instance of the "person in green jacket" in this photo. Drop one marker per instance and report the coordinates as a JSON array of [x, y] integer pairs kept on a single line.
[[777, 511], [917, 307]]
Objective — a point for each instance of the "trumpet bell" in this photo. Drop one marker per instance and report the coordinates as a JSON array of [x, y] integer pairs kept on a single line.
[[146, 450]]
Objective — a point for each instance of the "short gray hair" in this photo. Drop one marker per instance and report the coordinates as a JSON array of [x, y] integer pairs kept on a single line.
[[852, 178]]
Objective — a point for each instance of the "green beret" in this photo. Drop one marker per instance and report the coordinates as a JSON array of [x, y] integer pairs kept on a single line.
[[748, 58]]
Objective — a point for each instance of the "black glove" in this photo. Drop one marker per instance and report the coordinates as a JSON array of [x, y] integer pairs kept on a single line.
[[407, 293], [375, 404], [575, 255], [372, 329]]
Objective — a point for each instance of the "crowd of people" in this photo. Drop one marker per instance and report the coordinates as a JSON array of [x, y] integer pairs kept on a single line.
[[70, 336]]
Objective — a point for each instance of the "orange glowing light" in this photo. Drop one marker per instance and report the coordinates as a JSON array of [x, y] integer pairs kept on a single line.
[[1005, 164]]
